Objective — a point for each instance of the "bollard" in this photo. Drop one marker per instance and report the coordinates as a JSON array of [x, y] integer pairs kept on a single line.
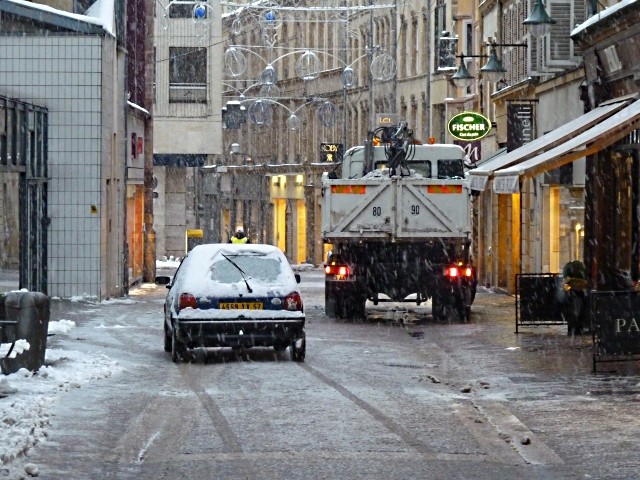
[[24, 316]]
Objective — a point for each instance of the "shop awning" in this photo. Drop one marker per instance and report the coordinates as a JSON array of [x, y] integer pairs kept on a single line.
[[593, 140], [478, 176]]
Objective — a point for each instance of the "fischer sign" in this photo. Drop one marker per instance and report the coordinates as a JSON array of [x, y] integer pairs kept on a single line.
[[469, 126]]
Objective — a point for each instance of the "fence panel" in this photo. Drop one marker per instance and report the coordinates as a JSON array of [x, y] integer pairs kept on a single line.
[[538, 299]]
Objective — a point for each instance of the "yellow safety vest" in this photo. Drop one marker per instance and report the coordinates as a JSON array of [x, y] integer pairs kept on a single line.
[[235, 239]]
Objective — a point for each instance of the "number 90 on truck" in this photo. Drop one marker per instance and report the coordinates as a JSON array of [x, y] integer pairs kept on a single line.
[[398, 217]]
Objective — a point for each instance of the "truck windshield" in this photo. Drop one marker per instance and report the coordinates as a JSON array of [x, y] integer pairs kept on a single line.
[[450, 169], [422, 167]]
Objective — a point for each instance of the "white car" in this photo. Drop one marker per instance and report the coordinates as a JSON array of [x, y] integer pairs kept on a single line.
[[234, 295]]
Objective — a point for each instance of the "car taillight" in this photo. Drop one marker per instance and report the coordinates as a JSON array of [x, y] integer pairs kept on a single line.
[[293, 302], [187, 300], [342, 270]]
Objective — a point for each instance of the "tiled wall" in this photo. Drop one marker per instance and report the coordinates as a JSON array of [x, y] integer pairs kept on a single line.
[[64, 74]]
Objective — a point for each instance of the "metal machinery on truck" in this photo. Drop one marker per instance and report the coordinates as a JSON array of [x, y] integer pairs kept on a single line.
[[398, 216]]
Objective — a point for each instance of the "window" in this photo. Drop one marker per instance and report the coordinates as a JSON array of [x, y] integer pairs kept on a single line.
[[450, 169], [187, 75], [439, 27], [447, 50], [183, 10], [556, 51], [421, 167]]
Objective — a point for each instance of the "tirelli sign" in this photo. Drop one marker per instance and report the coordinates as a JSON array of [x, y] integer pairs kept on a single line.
[[469, 126]]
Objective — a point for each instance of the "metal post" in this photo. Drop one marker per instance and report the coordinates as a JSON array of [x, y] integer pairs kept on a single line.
[[344, 90], [427, 95], [149, 261], [370, 76]]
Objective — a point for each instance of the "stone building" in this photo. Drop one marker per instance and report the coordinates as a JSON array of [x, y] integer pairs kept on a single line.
[[394, 62], [533, 196]]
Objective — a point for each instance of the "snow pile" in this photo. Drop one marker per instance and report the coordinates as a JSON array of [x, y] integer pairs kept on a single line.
[[168, 262], [15, 349], [26, 397], [382, 174]]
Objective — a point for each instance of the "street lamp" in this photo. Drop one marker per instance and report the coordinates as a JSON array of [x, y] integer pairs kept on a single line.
[[539, 22], [462, 78], [493, 69]]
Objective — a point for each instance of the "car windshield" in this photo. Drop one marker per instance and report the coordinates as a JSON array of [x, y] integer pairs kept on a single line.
[[256, 267]]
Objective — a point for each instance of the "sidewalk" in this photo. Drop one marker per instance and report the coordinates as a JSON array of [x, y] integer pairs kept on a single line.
[[546, 348]]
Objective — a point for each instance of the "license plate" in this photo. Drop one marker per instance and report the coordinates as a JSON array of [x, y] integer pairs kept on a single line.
[[344, 278], [241, 306]]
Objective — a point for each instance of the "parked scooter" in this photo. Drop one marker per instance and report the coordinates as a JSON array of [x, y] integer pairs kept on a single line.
[[575, 302]]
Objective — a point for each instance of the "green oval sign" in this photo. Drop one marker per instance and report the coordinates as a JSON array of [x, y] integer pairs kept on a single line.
[[469, 126]]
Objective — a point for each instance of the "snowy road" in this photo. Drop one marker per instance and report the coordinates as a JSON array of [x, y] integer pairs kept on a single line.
[[395, 397]]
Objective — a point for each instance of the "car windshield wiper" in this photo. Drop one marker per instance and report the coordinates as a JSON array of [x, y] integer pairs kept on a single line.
[[240, 270]]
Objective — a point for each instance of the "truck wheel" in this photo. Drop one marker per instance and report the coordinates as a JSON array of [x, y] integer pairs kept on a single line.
[[330, 304], [463, 305], [438, 310], [341, 306], [334, 304], [355, 308], [464, 312]]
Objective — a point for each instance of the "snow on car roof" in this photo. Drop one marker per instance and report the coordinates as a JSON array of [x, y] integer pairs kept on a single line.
[[194, 275]]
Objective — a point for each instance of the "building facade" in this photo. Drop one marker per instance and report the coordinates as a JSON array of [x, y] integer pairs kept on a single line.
[[74, 83], [74, 67], [186, 115], [535, 206]]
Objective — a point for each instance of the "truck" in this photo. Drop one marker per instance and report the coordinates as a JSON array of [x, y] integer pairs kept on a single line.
[[397, 215]]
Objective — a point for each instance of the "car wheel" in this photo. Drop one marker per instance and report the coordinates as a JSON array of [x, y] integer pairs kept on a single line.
[[299, 352], [178, 348], [167, 338], [280, 347]]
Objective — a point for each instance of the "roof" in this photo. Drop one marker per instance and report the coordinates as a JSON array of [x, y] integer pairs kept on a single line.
[[98, 19], [591, 141], [600, 16], [478, 176]]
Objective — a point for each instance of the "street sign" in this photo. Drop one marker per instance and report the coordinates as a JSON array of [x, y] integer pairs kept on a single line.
[[469, 126], [331, 152]]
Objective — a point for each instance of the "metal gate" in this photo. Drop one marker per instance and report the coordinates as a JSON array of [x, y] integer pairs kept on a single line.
[[537, 301], [23, 201]]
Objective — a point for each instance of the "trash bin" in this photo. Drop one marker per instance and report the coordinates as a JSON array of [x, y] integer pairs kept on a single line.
[[24, 316]]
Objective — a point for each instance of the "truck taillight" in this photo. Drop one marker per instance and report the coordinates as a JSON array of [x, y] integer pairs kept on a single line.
[[341, 270], [293, 302], [459, 270], [187, 300]]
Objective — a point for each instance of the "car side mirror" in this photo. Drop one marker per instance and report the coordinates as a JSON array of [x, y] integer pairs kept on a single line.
[[163, 280], [297, 275]]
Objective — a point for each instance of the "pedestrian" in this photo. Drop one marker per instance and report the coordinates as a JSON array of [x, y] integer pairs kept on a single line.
[[239, 236]]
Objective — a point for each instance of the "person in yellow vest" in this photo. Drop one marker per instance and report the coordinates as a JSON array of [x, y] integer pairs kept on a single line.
[[239, 237]]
